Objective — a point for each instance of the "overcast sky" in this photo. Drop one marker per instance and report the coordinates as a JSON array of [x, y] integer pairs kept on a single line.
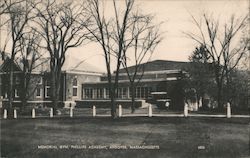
[[176, 17]]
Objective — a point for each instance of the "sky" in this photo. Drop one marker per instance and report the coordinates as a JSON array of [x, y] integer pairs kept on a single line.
[[176, 16]]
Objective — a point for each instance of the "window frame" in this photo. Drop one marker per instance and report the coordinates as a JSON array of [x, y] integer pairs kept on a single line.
[[16, 93], [5, 95], [75, 87], [88, 93], [40, 90], [46, 92], [107, 93]]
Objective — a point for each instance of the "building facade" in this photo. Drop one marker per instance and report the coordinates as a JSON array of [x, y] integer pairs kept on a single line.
[[85, 86], [74, 74], [158, 77]]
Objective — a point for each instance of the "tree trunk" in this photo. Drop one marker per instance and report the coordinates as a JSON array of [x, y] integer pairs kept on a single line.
[[23, 96], [10, 93], [58, 87], [132, 98], [219, 98], [53, 93], [24, 89], [115, 92], [113, 107], [228, 87], [219, 82], [112, 100]]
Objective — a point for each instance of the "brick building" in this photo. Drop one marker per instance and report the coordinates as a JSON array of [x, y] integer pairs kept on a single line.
[[88, 86], [159, 77], [74, 74]]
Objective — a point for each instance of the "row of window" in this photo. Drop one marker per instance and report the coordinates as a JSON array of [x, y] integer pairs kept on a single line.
[[123, 92], [47, 92], [98, 93], [142, 92], [47, 89], [95, 93], [40, 81], [39, 92]]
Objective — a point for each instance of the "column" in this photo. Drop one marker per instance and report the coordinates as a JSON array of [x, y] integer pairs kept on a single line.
[[51, 112], [150, 110], [104, 93], [228, 110], [33, 113], [94, 111], [71, 111], [185, 110], [15, 114], [120, 111], [5, 114]]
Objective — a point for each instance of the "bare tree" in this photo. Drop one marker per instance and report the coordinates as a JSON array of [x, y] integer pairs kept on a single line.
[[18, 14], [219, 41], [110, 33], [5, 5], [61, 25], [144, 37], [29, 56], [5, 8]]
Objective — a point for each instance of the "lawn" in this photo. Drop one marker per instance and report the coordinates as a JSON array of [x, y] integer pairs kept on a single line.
[[175, 137]]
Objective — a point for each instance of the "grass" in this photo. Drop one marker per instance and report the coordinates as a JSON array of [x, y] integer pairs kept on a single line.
[[176, 137]]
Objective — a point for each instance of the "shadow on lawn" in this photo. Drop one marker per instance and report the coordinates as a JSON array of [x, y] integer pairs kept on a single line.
[[177, 137]]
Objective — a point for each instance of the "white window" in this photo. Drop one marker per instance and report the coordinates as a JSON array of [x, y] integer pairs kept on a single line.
[[94, 96], [122, 92], [96, 93], [75, 87], [74, 91], [107, 92], [99, 92], [38, 92], [140, 92], [17, 93], [88, 93], [5, 95], [47, 91]]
